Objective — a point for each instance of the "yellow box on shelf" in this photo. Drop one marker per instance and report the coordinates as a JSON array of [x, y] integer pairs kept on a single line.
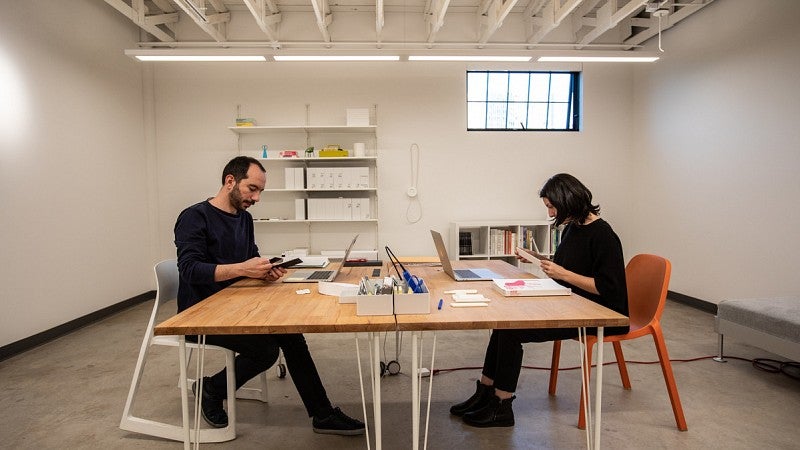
[[325, 153]]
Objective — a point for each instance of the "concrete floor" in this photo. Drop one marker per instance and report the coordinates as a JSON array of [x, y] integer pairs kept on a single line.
[[70, 394]]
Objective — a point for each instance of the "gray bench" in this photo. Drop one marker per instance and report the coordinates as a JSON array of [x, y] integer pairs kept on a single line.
[[772, 324]]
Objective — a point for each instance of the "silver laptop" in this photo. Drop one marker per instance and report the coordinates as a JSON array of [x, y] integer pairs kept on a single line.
[[460, 274], [314, 276]]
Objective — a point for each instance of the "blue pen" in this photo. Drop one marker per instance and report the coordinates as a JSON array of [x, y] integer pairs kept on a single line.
[[441, 300]]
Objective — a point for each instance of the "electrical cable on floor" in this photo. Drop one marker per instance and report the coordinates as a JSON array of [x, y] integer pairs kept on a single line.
[[788, 368]]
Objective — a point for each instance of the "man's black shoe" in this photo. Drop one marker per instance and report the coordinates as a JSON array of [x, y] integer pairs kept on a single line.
[[211, 405], [338, 423]]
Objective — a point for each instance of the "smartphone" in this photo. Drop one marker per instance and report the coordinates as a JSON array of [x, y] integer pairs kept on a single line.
[[290, 263], [276, 259]]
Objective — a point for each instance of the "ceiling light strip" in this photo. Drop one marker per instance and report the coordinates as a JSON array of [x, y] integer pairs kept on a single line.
[[336, 58], [597, 58], [200, 58], [469, 58]]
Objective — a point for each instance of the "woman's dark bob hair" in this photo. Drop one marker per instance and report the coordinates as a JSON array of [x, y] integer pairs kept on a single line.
[[571, 199]]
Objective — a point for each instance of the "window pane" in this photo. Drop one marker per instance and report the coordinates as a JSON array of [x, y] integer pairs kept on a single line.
[[540, 87], [518, 87], [537, 116], [520, 100], [558, 116], [559, 87], [498, 86], [496, 115], [476, 115], [476, 86], [516, 116]]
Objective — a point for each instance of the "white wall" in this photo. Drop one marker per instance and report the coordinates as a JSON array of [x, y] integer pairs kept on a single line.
[[74, 230], [463, 176], [694, 157], [717, 152]]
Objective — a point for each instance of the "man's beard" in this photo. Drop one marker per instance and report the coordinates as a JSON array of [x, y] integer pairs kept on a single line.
[[235, 197]]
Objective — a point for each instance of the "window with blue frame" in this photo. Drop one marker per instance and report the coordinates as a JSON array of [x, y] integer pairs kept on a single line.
[[515, 101]]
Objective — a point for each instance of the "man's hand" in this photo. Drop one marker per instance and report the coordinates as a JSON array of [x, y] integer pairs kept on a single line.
[[255, 268], [274, 273]]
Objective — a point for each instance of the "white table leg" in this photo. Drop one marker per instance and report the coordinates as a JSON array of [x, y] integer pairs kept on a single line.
[[598, 388], [415, 390], [361, 384], [184, 393], [376, 388], [430, 391]]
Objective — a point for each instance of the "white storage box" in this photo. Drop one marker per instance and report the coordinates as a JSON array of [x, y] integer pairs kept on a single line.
[[357, 117], [373, 305], [412, 303]]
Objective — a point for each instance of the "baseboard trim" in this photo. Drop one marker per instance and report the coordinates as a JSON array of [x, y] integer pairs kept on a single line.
[[702, 305], [38, 339]]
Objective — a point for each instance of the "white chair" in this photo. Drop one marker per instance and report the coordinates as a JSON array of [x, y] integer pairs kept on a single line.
[[167, 289]]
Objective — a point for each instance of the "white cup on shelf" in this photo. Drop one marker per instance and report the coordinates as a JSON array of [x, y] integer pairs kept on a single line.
[[359, 150]]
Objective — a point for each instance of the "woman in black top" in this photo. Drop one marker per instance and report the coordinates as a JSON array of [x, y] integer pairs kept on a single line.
[[589, 261]]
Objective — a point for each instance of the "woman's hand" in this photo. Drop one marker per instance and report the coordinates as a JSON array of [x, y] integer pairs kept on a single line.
[[553, 270], [557, 272]]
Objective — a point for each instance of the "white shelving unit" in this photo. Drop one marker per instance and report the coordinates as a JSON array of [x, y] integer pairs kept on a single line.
[[483, 240], [277, 212]]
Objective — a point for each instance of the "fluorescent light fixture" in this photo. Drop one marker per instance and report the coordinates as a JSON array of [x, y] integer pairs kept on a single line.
[[200, 58], [469, 58], [335, 58], [597, 58]]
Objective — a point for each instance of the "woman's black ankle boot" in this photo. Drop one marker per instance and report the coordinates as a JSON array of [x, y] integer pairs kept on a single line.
[[478, 400], [496, 413]]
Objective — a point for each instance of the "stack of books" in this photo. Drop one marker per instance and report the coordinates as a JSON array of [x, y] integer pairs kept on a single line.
[[530, 287], [246, 122]]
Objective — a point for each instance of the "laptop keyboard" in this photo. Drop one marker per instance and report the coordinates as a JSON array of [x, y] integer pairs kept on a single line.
[[320, 275], [466, 274]]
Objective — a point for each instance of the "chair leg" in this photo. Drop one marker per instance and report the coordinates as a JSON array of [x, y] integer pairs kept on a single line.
[[669, 378], [623, 368], [554, 367], [590, 341]]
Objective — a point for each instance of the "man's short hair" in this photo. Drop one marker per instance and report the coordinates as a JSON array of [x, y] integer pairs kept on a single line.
[[239, 166]]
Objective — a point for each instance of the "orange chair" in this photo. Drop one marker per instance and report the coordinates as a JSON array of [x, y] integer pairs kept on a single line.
[[647, 278]]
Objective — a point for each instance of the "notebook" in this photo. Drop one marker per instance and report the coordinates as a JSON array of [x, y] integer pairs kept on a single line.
[[315, 276], [460, 274]]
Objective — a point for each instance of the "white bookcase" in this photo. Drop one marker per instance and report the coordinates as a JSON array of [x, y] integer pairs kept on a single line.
[[483, 240], [337, 209]]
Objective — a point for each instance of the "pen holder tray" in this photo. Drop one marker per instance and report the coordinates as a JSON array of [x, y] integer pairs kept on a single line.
[[374, 305], [412, 303]]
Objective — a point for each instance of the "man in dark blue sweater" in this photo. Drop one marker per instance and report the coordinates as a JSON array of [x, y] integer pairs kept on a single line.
[[216, 247]]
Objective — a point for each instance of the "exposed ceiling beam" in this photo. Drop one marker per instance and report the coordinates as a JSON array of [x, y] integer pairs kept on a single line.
[[493, 20], [324, 17], [137, 12], [212, 24], [608, 16], [267, 17], [434, 17], [378, 20], [552, 15], [651, 24]]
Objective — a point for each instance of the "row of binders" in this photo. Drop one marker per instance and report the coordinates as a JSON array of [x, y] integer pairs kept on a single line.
[[340, 208], [321, 178]]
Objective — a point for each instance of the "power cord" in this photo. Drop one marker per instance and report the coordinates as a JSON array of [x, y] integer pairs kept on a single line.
[[788, 368]]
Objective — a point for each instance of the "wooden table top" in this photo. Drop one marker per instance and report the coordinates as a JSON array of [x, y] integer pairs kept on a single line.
[[562, 311], [257, 307]]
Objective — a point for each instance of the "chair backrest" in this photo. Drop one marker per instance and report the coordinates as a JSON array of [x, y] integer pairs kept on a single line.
[[647, 277], [166, 289]]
